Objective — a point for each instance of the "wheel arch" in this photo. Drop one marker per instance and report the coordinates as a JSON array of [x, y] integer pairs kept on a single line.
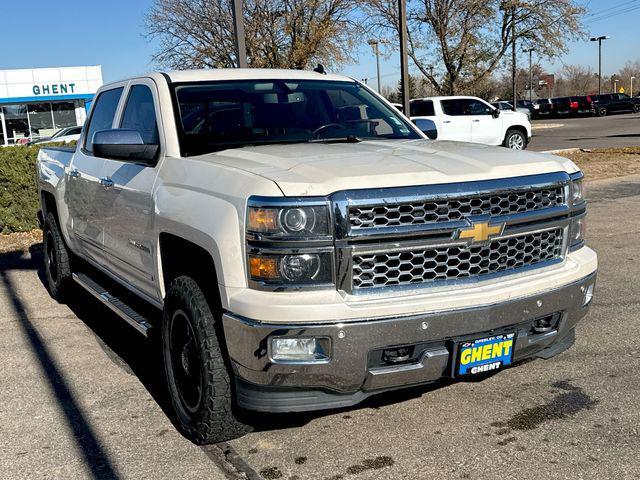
[[519, 128], [181, 256]]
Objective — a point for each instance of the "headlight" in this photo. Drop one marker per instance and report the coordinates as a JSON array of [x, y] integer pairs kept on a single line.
[[295, 221], [289, 243], [577, 191], [291, 269]]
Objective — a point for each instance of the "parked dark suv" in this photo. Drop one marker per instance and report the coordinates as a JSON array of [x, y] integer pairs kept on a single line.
[[545, 108], [615, 103]]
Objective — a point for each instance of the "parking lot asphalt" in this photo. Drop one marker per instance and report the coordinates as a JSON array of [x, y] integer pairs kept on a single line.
[[586, 132], [81, 396]]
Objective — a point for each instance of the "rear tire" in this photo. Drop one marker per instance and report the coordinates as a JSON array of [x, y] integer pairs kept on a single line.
[[601, 111], [515, 140], [199, 382], [57, 260]]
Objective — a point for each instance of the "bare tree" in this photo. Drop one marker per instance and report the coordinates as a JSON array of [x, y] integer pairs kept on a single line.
[[279, 33], [630, 69], [470, 38], [576, 80]]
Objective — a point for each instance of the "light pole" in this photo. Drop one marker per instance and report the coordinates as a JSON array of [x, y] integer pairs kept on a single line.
[[530, 51], [631, 87], [375, 45], [599, 40], [238, 25], [430, 67], [513, 55], [404, 58], [615, 85]]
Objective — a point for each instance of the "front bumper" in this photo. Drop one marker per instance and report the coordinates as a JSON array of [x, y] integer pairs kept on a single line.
[[352, 374]]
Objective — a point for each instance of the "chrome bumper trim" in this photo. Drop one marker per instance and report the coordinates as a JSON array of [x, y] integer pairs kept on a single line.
[[352, 341]]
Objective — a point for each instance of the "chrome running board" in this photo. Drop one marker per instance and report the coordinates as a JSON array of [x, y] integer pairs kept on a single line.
[[128, 314]]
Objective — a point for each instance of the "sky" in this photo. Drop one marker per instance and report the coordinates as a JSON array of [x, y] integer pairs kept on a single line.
[[111, 33]]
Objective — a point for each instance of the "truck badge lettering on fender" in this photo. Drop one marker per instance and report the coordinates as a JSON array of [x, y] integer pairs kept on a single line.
[[481, 231], [139, 246]]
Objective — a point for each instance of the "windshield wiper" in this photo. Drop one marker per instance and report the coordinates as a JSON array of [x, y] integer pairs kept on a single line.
[[347, 139]]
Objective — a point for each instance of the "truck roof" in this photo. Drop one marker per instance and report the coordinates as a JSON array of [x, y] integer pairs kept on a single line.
[[250, 74], [222, 74], [446, 97]]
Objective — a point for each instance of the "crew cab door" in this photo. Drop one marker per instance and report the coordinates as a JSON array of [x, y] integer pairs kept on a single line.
[[485, 128], [128, 211], [454, 124], [622, 102], [84, 193]]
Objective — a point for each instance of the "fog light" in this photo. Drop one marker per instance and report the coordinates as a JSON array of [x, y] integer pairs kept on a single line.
[[304, 350], [588, 295]]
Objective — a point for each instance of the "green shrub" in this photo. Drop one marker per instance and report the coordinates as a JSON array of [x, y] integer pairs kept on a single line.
[[19, 201]]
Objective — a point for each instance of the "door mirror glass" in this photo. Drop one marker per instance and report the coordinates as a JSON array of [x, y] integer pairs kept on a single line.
[[428, 127], [495, 113], [124, 144]]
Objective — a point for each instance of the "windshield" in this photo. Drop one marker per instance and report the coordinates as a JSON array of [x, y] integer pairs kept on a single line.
[[219, 115]]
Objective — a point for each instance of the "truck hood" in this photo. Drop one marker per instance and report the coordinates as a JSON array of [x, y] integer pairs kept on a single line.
[[323, 168]]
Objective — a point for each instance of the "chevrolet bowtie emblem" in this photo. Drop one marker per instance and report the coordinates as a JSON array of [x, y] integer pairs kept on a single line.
[[481, 232]]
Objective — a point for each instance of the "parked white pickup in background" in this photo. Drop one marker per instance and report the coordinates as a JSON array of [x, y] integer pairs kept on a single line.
[[471, 119]]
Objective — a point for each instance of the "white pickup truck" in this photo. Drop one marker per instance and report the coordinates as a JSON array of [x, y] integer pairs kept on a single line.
[[299, 244], [471, 119]]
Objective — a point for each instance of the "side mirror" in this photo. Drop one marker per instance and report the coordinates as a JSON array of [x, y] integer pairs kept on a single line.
[[123, 144], [428, 127], [495, 113]]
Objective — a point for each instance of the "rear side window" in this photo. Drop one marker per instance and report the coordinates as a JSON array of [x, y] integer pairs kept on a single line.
[[422, 108], [102, 116], [452, 107], [140, 114]]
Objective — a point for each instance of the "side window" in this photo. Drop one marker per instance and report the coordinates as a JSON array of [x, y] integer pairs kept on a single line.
[[452, 107], [422, 108], [140, 114], [102, 115], [475, 107]]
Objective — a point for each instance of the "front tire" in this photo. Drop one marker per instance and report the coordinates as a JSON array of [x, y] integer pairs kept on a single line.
[[199, 382], [515, 140], [636, 108], [57, 260]]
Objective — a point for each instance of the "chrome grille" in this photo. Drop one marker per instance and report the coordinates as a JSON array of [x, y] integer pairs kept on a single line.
[[451, 209], [455, 262]]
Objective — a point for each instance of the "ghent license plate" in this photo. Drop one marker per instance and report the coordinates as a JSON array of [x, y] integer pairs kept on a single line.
[[485, 354]]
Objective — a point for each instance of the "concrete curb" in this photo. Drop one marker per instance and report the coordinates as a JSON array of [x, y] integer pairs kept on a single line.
[[566, 150]]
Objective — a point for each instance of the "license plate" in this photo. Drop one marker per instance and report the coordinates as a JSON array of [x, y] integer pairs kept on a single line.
[[485, 354]]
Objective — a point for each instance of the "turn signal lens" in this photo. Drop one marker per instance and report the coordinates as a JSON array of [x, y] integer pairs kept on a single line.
[[263, 268], [263, 219]]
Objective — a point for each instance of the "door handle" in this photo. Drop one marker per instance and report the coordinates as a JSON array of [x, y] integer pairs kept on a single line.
[[446, 121], [74, 173], [106, 182], [475, 121]]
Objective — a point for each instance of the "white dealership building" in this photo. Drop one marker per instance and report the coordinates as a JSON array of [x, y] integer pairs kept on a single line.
[[36, 102]]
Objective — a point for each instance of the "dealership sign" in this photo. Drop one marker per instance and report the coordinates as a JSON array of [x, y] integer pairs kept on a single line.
[[36, 83], [54, 89]]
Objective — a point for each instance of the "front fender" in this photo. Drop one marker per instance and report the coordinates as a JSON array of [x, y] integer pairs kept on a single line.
[[205, 204]]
